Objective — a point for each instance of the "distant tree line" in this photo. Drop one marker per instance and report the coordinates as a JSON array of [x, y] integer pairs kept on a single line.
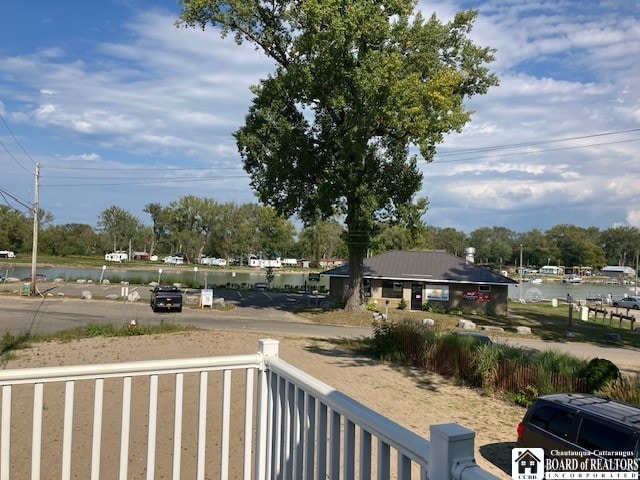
[[201, 226]]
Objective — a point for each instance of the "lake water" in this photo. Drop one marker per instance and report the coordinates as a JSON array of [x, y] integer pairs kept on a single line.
[[525, 291], [170, 274]]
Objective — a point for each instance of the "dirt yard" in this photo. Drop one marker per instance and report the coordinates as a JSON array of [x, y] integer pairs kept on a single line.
[[412, 399]]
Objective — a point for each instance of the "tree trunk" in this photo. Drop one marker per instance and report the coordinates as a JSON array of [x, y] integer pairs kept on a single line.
[[354, 295]]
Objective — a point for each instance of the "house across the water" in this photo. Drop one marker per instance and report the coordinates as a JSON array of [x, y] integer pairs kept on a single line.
[[433, 277]]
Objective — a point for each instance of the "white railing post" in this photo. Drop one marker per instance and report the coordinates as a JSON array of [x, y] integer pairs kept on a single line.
[[451, 454], [266, 348]]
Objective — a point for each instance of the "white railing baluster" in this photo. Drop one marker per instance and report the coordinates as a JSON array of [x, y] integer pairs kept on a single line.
[[5, 434], [67, 435], [279, 429], [335, 444], [248, 424], [365, 454], [404, 467], [36, 441], [177, 426], [289, 449], [125, 427], [98, 400], [226, 422], [202, 425], [384, 460], [300, 434], [323, 439], [153, 422], [349, 450], [310, 431]]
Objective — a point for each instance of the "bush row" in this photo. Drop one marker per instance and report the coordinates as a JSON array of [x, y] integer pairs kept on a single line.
[[520, 375]]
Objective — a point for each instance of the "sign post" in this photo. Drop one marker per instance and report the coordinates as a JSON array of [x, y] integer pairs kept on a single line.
[[124, 291]]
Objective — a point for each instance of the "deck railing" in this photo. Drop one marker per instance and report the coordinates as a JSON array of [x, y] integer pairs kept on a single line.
[[291, 426]]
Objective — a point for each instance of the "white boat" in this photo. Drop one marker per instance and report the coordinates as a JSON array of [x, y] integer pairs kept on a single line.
[[572, 279], [536, 281]]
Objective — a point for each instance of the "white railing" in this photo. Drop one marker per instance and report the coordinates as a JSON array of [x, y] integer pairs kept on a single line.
[[158, 412]]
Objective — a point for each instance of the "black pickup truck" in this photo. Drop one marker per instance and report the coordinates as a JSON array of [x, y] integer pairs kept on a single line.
[[166, 297]]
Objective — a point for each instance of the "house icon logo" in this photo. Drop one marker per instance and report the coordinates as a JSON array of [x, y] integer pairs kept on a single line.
[[527, 464]]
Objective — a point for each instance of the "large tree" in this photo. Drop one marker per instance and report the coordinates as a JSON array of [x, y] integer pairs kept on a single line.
[[357, 84]]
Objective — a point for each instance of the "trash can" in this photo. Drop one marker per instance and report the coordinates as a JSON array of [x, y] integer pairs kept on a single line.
[[25, 288]]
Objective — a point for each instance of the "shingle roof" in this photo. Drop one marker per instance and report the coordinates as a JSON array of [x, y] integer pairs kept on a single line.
[[431, 265]]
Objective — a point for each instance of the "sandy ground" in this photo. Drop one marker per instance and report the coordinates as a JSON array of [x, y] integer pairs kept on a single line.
[[412, 399]]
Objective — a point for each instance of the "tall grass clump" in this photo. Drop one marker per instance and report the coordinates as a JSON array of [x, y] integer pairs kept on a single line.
[[624, 389], [554, 363], [485, 362]]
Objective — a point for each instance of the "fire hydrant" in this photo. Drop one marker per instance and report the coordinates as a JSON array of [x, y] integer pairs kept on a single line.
[[132, 324]]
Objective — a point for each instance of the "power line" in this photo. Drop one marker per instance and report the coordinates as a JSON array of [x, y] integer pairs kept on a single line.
[[537, 152], [536, 143], [15, 140], [14, 198]]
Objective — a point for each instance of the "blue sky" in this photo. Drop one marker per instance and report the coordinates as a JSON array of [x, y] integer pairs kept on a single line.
[[122, 108]]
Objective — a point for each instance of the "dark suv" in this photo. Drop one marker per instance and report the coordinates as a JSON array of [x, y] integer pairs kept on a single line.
[[578, 422]]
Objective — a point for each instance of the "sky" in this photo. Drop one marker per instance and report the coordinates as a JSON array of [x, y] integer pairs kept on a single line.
[[120, 107]]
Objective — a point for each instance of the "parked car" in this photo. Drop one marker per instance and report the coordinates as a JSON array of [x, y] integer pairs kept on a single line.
[[572, 422], [478, 337], [628, 302], [166, 297]]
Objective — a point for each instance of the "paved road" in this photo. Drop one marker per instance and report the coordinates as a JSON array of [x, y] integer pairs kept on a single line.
[[60, 308]]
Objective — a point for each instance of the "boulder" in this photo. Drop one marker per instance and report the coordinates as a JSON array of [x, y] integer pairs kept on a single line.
[[523, 330], [106, 281], [81, 280], [133, 296], [219, 302], [112, 296], [612, 337], [428, 322], [466, 324], [86, 295], [491, 328], [569, 334]]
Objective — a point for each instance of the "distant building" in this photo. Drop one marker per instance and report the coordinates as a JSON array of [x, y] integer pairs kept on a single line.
[[615, 271], [551, 270], [118, 256]]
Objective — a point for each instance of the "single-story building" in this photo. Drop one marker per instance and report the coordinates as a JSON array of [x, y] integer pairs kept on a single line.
[[551, 270], [617, 271], [427, 277]]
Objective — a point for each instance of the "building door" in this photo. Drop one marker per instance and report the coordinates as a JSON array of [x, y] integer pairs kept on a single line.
[[416, 296]]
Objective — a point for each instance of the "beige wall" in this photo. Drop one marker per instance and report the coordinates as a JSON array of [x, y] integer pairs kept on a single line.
[[496, 306]]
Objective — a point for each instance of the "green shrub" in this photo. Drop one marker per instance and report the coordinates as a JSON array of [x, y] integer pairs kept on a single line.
[[598, 372], [402, 305]]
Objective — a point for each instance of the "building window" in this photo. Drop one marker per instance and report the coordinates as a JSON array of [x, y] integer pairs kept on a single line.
[[391, 289], [437, 293]]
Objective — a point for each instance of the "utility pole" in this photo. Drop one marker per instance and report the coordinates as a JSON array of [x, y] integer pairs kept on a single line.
[[520, 286], [36, 219]]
